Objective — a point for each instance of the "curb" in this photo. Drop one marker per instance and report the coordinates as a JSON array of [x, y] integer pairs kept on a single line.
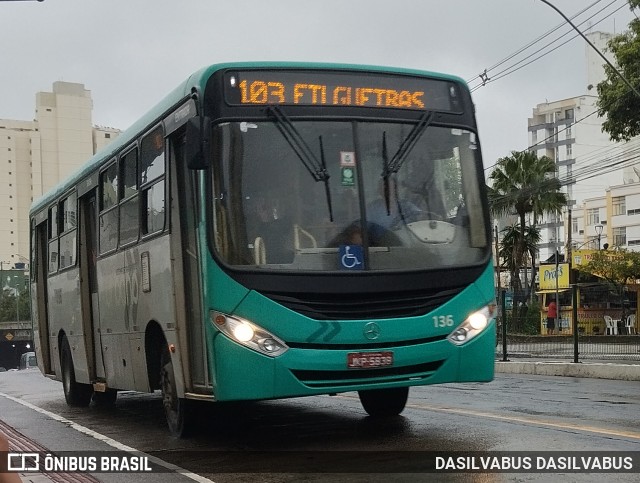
[[34, 478], [622, 372]]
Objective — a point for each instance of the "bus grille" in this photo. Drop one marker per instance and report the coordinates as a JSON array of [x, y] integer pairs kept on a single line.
[[320, 379], [340, 306]]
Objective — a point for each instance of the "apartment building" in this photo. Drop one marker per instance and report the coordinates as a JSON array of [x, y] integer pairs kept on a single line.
[[569, 131], [554, 132], [36, 155], [589, 224], [613, 219]]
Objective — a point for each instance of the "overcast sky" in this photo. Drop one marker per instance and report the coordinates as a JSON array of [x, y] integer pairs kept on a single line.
[[130, 53]]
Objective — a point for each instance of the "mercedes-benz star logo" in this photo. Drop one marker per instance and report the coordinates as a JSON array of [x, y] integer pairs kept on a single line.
[[371, 331]]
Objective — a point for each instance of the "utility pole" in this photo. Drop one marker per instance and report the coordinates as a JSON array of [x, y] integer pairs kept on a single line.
[[497, 261], [568, 249], [558, 318], [569, 230]]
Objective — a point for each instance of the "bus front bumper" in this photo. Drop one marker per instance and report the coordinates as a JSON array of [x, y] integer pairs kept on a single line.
[[243, 374]]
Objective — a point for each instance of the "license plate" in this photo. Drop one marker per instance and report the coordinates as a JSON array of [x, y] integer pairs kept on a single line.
[[369, 360]]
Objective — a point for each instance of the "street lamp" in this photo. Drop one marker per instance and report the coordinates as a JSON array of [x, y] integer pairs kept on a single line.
[[599, 229]]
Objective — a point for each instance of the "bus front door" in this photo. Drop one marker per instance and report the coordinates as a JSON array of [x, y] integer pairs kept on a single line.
[[40, 300], [89, 242]]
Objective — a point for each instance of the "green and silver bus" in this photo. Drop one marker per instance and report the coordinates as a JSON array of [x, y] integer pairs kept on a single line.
[[272, 231]]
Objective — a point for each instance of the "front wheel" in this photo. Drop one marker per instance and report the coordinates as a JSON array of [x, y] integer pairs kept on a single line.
[[75, 393], [380, 403], [175, 408]]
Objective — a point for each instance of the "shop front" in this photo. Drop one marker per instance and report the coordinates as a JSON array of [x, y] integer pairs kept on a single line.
[[595, 300], [598, 300], [554, 286]]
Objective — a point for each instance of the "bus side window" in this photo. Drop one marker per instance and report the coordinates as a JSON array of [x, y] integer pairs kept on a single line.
[[34, 263], [152, 181], [68, 224], [108, 222], [53, 239], [129, 197]]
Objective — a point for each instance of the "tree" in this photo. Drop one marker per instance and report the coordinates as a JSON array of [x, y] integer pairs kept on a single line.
[[510, 238], [617, 268], [11, 309], [616, 101], [524, 184]]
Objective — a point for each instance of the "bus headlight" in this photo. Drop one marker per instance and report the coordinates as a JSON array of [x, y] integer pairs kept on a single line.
[[249, 334], [472, 326]]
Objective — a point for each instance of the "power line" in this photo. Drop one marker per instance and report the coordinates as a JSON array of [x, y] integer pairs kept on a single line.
[[555, 134], [602, 56], [552, 136], [516, 67], [558, 27], [626, 158], [533, 42]]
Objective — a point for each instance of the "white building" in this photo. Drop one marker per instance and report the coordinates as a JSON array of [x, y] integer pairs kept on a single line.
[[612, 219], [36, 155], [569, 131]]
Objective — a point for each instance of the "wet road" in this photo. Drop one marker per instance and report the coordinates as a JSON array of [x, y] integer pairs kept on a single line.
[[285, 437]]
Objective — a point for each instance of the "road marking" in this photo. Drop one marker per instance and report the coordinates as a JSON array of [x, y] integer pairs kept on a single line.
[[530, 421], [520, 419], [106, 439]]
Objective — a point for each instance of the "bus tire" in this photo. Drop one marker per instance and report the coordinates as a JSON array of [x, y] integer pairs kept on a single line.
[[75, 393], [175, 408], [381, 403]]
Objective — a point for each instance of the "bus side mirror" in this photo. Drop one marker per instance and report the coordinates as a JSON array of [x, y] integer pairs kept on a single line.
[[198, 142]]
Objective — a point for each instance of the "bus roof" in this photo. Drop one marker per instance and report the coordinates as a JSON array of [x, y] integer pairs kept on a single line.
[[197, 81]]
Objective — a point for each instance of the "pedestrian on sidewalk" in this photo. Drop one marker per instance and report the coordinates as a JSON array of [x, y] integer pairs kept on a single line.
[[5, 476], [552, 314]]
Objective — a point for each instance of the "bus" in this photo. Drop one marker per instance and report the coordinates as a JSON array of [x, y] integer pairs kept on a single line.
[[272, 230]]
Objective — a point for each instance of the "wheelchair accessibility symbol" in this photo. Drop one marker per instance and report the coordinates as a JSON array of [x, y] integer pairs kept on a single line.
[[351, 257]]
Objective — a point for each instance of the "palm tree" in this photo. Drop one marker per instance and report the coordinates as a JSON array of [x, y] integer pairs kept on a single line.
[[524, 184]]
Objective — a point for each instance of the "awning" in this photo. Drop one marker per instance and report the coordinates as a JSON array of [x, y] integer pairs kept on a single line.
[[554, 290]]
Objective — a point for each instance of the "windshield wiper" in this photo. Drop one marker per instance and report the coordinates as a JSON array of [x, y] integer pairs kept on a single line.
[[316, 168], [387, 191], [393, 166], [385, 172], [408, 144]]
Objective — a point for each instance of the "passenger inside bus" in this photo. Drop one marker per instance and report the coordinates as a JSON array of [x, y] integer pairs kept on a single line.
[[354, 235], [389, 210], [274, 227]]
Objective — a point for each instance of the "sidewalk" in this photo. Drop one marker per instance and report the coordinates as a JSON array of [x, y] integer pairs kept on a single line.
[[620, 370]]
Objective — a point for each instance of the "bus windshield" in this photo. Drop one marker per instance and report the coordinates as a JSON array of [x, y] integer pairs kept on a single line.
[[396, 198]]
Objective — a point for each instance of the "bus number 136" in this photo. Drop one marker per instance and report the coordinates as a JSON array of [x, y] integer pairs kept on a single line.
[[443, 320]]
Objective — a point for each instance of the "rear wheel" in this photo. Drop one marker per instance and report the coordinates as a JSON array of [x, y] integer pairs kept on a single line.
[[382, 403], [175, 408], [75, 393]]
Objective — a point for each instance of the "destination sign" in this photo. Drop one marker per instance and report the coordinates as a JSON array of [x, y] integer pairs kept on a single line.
[[335, 88]]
